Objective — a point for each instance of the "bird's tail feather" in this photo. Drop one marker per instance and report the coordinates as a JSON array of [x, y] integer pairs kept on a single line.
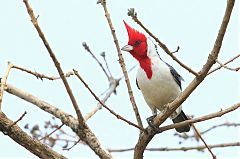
[[181, 117]]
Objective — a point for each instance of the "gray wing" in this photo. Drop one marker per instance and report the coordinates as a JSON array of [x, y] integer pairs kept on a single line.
[[178, 78]]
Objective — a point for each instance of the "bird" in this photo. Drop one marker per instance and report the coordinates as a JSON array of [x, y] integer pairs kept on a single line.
[[158, 81]]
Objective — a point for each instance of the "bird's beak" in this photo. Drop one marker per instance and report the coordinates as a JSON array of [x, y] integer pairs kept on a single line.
[[127, 48]]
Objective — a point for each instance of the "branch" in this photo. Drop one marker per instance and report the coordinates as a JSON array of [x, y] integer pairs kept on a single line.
[[40, 75], [86, 47], [133, 14], [3, 83], [145, 138], [200, 119], [112, 88], [59, 127], [104, 105], [84, 133], [121, 62], [204, 142], [219, 67], [198, 148], [56, 62], [227, 124], [226, 67], [18, 135], [20, 118]]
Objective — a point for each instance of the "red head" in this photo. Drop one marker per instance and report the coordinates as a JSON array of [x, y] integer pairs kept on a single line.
[[137, 47]]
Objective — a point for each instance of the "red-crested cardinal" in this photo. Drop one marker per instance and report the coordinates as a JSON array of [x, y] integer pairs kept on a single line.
[[159, 82]]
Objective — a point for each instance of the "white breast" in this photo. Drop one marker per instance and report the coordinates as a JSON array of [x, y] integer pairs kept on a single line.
[[161, 89]]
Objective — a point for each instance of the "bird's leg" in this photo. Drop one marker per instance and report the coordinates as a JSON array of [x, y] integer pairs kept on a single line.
[[150, 121]]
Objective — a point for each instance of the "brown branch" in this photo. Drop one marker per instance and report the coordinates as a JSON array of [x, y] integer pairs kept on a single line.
[[198, 148], [204, 142], [86, 47], [219, 67], [200, 119], [104, 105], [133, 14], [75, 143], [39, 149], [227, 124], [112, 88], [220, 125], [3, 82], [106, 63], [84, 133], [59, 127], [122, 64], [145, 138], [40, 75], [226, 67], [20, 118], [56, 62]]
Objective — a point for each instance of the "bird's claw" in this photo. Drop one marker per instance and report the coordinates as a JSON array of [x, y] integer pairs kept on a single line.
[[150, 123]]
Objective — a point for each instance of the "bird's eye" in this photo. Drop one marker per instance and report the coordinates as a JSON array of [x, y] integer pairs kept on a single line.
[[138, 42]]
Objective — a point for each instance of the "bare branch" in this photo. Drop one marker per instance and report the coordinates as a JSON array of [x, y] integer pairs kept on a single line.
[[219, 67], [84, 133], [122, 64], [112, 88], [40, 75], [104, 105], [18, 135], [20, 118], [57, 64], [226, 67], [198, 148], [86, 47], [206, 145], [3, 82], [226, 124], [133, 14], [200, 119], [75, 143], [59, 127], [106, 63]]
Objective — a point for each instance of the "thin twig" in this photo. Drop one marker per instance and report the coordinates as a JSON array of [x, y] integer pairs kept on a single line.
[[219, 67], [86, 47], [227, 124], [106, 63], [122, 64], [198, 148], [40, 75], [3, 82], [226, 67], [220, 125], [103, 104], [59, 127], [20, 118], [133, 14], [75, 143], [204, 142], [56, 62]]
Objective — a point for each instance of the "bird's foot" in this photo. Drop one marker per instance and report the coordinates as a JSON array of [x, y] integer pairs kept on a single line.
[[150, 123]]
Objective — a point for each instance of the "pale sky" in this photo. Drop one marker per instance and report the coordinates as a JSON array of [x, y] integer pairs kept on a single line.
[[192, 25]]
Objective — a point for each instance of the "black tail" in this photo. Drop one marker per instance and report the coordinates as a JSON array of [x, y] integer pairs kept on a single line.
[[181, 117]]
